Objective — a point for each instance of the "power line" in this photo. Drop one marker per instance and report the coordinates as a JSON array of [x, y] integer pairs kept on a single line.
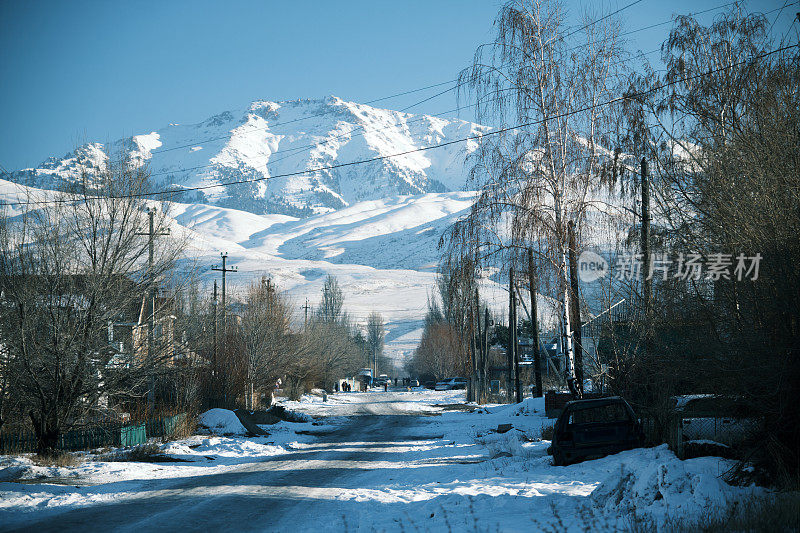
[[307, 117], [415, 150], [298, 149], [603, 18], [797, 17], [786, 3], [656, 25], [586, 26]]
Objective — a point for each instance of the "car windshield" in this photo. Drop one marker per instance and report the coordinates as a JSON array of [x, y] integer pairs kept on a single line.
[[613, 412]]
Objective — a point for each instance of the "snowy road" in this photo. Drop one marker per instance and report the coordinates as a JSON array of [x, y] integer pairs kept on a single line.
[[396, 461], [294, 488]]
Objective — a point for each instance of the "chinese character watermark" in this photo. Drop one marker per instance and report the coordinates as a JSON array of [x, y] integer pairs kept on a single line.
[[686, 267]]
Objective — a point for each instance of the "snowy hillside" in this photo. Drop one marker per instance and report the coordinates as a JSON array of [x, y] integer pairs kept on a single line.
[[276, 138], [382, 252]]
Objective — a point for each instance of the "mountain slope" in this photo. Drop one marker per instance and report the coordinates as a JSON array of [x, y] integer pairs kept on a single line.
[[274, 138], [387, 247]]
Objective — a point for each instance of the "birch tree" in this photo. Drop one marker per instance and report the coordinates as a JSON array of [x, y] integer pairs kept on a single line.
[[545, 87]]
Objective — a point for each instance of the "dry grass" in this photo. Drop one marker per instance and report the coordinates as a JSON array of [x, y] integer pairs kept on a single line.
[[60, 459], [776, 513], [147, 453]]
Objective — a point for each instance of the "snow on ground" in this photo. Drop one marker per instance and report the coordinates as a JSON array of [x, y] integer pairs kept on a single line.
[[363, 458], [26, 487], [221, 422], [506, 481], [420, 401]]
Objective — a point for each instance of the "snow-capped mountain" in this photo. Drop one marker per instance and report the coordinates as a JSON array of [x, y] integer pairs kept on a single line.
[[269, 139]]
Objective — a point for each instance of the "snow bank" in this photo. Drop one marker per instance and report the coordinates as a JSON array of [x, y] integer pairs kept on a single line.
[[653, 483], [222, 422]]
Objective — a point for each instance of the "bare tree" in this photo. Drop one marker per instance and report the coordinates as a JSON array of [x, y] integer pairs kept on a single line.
[[266, 337], [721, 128], [330, 307], [73, 264], [375, 336]]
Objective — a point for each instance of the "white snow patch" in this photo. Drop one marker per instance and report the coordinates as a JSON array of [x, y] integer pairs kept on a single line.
[[221, 422]]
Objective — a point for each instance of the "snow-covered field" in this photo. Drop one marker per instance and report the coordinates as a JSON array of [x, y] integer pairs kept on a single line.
[[395, 461]]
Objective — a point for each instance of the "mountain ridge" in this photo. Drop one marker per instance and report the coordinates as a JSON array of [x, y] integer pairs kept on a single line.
[[293, 137]]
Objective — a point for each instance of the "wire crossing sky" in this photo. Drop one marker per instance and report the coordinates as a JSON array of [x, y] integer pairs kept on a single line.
[[97, 71]]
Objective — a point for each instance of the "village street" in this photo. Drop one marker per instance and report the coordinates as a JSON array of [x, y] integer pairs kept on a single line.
[[369, 462]]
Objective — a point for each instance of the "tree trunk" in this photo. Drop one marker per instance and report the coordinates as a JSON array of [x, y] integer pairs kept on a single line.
[[478, 363], [47, 431], [485, 342], [537, 363], [511, 341], [575, 308]]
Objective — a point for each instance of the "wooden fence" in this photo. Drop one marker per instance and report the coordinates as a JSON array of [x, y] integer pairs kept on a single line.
[[98, 435]]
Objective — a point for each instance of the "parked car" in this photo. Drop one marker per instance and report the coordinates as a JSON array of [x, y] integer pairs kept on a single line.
[[452, 384], [710, 421], [430, 385], [413, 383], [588, 429], [442, 385]]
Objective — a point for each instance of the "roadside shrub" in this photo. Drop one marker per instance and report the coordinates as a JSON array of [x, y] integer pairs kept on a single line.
[[60, 459], [144, 452], [775, 513], [141, 453]]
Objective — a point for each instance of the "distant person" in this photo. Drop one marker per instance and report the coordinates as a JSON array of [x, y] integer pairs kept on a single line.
[[385, 386], [336, 387], [395, 382]]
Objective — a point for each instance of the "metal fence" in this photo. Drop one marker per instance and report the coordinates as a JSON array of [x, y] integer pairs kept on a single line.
[[98, 435]]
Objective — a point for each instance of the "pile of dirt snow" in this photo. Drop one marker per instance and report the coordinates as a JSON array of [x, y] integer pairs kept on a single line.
[[654, 484], [288, 415], [221, 422]]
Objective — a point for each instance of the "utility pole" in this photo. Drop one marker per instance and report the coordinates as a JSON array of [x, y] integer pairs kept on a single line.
[[575, 308], [537, 368], [478, 361], [214, 370], [224, 271], [647, 286], [512, 326], [151, 237], [305, 322], [473, 356], [517, 383], [151, 322], [486, 352]]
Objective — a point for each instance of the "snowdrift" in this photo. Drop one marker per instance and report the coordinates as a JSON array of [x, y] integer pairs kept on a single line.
[[221, 422]]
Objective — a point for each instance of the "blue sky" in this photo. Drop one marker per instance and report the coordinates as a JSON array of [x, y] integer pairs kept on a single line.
[[98, 70]]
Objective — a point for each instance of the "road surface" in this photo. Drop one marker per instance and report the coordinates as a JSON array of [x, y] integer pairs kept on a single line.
[[297, 491]]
